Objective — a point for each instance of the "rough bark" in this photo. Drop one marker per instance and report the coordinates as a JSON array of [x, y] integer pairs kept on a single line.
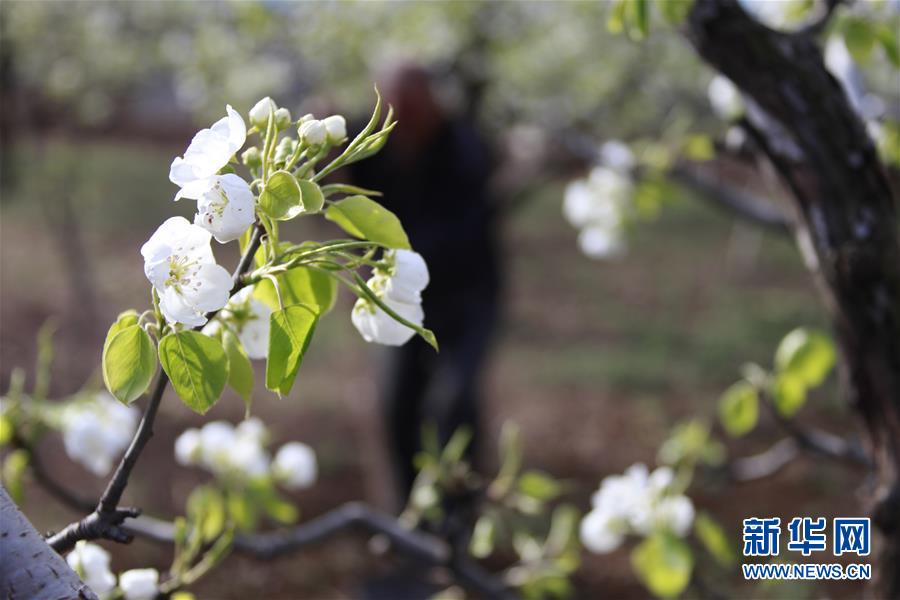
[[29, 568], [846, 224]]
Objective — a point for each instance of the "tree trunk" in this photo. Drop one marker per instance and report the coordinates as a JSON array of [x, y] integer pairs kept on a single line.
[[30, 569], [847, 226]]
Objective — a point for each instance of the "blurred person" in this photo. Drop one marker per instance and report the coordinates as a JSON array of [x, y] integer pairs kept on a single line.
[[434, 174]]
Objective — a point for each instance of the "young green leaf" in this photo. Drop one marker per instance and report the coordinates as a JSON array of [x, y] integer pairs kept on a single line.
[[290, 332], [300, 285], [714, 539], [482, 543], [197, 366], [664, 564], [311, 196], [539, 486], [674, 11], [739, 408], [364, 218], [282, 198], [240, 370], [128, 363], [788, 394], [125, 319], [806, 355]]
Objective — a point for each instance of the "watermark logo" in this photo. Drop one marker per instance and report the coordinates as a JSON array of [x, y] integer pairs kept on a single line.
[[806, 536]]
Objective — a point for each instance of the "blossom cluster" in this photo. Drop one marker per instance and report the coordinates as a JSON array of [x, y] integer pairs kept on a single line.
[[600, 204], [96, 430], [635, 503], [398, 282], [91, 562], [240, 452]]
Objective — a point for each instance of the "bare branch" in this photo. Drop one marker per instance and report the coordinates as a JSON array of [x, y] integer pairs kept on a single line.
[[722, 195], [765, 464]]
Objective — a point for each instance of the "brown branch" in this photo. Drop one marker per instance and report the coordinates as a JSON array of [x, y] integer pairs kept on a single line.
[[738, 202], [105, 522]]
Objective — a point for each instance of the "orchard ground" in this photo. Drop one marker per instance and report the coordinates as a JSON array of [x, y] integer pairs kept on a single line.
[[596, 360]]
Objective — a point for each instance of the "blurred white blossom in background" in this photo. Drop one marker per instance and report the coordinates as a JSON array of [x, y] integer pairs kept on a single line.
[[91, 563], [97, 430], [635, 503]]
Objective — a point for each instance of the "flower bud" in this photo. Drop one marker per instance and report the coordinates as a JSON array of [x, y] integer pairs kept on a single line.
[[284, 149], [295, 465], [252, 157], [188, 448], [139, 584], [259, 114], [313, 133], [336, 126], [282, 119]]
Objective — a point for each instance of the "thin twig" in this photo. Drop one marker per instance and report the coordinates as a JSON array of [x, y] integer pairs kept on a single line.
[[107, 518]]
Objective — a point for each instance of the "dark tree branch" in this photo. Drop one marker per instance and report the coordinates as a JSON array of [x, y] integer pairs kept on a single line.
[[765, 464], [105, 522], [722, 195], [847, 221]]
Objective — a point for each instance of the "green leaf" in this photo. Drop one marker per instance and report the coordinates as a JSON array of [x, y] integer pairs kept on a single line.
[[860, 38], [240, 370], [289, 335], [640, 18], [788, 394], [699, 147], [197, 366], [890, 42], [6, 430], [664, 564], [483, 535], [281, 510], [300, 285], [539, 486], [128, 363], [206, 509], [674, 11], [806, 355], [15, 467], [125, 319], [739, 408], [364, 218], [615, 23], [311, 196], [282, 198], [714, 539]]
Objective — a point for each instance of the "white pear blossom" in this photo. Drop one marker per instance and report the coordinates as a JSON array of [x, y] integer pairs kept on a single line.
[[335, 127], [725, 98], [252, 430], [398, 282], [249, 318], [313, 132], [295, 465], [210, 150], [377, 326], [601, 242], [599, 205], [225, 205], [600, 532], [180, 264], [259, 114], [636, 502], [616, 155], [188, 447], [407, 276], [91, 562], [226, 450], [96, 431], [139, 584]]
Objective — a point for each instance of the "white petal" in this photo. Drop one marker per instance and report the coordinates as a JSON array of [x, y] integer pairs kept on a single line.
[[176, 309], [209, 288], [336, 126], [377, 326], [295, 465], [226, 208], [409, 277], [599, 533], [601, 242]]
